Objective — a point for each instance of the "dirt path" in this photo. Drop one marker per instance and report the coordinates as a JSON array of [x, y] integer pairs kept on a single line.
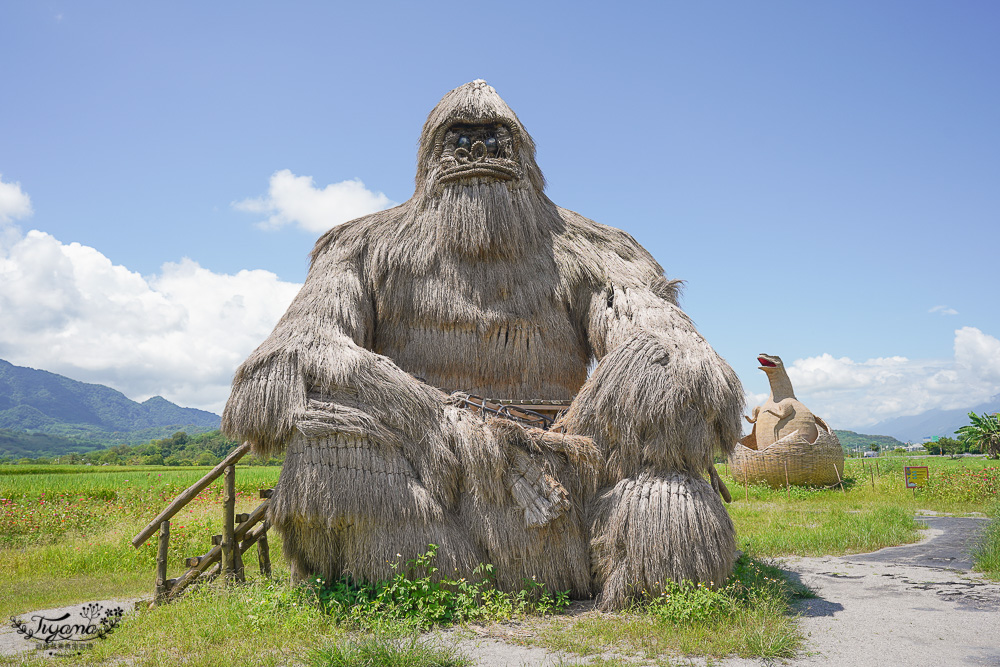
[[914, 605]]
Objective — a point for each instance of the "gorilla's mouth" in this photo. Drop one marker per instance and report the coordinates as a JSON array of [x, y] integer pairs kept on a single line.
[[480, 169]]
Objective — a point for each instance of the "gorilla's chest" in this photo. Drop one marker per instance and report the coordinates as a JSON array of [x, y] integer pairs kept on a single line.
[[494, 329]]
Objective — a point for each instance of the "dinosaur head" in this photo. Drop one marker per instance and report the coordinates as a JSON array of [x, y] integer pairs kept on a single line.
[[769, 362]]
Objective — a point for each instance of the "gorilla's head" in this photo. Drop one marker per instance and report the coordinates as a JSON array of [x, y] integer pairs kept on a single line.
[[473, 137], [478, 187]]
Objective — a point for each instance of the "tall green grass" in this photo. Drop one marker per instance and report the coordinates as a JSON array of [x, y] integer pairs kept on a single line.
[[65, 535], [987, 552]]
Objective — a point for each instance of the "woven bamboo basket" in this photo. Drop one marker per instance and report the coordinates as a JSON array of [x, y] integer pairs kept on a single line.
[[808, 463]]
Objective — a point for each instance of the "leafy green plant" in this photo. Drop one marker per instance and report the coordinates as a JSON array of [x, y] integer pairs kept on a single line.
[[419, 595], [984, 433]]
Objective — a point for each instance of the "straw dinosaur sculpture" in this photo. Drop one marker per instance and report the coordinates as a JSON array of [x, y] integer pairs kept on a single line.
[[782, 414], [788, 443], [479, 283]]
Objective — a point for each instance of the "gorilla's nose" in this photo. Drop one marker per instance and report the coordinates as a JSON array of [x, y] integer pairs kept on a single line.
[[478, 151]]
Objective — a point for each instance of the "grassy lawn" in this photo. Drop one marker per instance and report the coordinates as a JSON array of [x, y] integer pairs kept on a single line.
[[876, 510], [65, 536]]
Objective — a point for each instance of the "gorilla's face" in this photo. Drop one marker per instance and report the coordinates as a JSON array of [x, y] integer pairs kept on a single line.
[[480, 152], [479, 192]]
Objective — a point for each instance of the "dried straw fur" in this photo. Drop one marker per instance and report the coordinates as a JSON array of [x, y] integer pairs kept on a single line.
[[480, 283]]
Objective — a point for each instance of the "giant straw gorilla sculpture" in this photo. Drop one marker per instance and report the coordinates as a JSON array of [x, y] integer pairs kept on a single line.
[[480, 283]]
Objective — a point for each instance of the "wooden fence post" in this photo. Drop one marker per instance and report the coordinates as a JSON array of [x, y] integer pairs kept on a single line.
[[839, 480], [788, 487], [162, 591], [264, 556], [229, 546]]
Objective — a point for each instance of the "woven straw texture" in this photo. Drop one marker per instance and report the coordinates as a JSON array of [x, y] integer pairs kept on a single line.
[[808, 463]]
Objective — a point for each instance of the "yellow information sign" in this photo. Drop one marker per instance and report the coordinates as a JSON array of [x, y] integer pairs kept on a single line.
[[915, 476]]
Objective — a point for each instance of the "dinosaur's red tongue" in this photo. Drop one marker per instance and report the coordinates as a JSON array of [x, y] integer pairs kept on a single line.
[[766, 362]]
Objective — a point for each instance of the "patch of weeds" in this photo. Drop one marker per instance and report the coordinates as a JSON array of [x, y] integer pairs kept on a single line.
[[420, 597], [376, 651], [748, 616], [753, 582]]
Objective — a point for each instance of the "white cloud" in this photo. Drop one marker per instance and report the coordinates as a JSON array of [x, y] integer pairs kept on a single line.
[[181, 334], [977, 355], [943, 310], [848, 393], [14, 204], [296, 200]]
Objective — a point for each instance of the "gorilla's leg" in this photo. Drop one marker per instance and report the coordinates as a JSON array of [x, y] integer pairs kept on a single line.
[[346, 506], [651, 529]]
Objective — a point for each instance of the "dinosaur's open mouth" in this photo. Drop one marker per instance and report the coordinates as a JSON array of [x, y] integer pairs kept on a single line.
[[767, 362]]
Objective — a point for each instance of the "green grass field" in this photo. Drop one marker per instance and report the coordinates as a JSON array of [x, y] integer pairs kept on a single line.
[[65, 536]]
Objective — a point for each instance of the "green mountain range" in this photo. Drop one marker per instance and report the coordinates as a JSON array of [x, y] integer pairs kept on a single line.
[[852, 440], [42, 412]]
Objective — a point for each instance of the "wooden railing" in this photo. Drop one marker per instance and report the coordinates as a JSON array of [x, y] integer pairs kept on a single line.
[[239, 533]]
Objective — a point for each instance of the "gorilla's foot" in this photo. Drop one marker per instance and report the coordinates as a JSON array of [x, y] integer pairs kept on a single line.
[[650, 530]]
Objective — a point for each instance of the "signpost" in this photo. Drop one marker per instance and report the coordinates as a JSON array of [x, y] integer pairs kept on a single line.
[[915, 476]]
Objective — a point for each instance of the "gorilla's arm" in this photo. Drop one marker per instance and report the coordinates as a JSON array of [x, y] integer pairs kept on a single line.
[[660, 398], [318, 348]]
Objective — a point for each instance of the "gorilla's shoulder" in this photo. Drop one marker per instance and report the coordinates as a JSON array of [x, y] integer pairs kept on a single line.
[[584, 236], [355, 236]]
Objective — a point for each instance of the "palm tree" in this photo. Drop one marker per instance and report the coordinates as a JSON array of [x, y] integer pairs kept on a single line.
[[984, 431]]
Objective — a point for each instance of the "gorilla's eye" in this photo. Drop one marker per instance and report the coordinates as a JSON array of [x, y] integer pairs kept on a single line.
[[491, 144], [464, 142]]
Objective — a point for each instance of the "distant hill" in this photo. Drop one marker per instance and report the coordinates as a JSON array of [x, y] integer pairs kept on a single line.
[[35, 402], [21, 444], [852, 440], [917, 428]]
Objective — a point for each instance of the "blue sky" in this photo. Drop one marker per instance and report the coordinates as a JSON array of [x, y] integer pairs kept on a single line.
[[824, 175]]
